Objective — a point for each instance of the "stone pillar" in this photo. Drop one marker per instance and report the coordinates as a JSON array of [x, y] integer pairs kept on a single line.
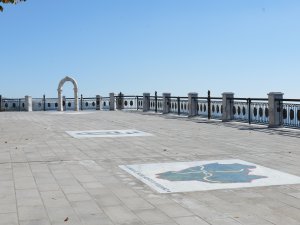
[[28, 103], [193, 103], [275, 109], [98, 101], [81, 102], [228, 102], [64, 106], [76, 100], [112, 101], [166, 103], [0, 103], [60, 101], [146, 102]]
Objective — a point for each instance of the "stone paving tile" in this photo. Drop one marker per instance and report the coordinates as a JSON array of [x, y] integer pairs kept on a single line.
[[8, 207], [224, 221], [35, 222], [28, 197], [157, 199], [32, 213], [121, 215], [54, 199], [78, 197], [123, 192], [252, 220], [46, 176], [86, 208], [72, 189], [174, 210], [108, 200], [8, 219], [152, 216], [96, 219], [173, 223], [92, 185], [136, 203], [24, 182], [190, 220], [58, 215]]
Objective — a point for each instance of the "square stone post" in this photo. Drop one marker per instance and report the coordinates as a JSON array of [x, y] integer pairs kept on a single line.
[[112, 101], [81, 102], [0, 103], [28, 103], [275, 109], [60, 101], [98, 100], [166, 103], [64, 100], [193, 103], [146, 102], [76, 99], [228, 102]]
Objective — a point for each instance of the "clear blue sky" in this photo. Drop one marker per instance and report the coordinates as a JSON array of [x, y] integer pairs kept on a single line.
[[249, 47]]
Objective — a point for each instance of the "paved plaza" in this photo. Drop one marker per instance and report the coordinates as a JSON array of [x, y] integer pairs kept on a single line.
[[49, 177]]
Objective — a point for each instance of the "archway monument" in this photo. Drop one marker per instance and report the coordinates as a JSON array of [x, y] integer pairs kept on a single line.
[[59, 91]]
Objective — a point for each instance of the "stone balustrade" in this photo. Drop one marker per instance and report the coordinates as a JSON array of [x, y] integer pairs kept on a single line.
[[227, 108]]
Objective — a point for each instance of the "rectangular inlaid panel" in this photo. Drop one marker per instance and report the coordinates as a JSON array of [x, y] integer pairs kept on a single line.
[[107, 133], [207, 175]]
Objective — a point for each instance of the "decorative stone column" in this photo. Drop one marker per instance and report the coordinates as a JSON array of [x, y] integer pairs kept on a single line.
[[0, 103], [28, 103], [228, 102], [112, 101], [76, 100], [192, 96], [166, 103], [60, 101], [64, 101], [81, 102], [275, 109], [146, 102], [98, 100]]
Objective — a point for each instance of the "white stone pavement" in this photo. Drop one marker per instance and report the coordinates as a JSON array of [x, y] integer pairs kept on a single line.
[[48, 177]]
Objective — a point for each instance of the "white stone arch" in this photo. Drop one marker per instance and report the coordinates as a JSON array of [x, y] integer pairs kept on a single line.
[[59, 91]]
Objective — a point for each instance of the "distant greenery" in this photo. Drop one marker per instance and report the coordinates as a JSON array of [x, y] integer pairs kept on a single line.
[[9, 2]]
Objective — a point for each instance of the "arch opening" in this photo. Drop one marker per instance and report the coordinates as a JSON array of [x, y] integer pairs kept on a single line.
[[59, 92]]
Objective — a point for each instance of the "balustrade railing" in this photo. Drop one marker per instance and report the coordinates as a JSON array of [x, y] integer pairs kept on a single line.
[[105, 103], [216, 106], [202, 107], [184, 106], [68, 104], [50, 104], [251, 110], [290, 112], [13, 104], [37, 104], [88, 103], [132, 102], [179, 105], [209, 107], [156, 103]]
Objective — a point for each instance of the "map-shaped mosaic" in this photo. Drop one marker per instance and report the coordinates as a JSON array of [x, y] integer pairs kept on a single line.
[[213, 173]]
